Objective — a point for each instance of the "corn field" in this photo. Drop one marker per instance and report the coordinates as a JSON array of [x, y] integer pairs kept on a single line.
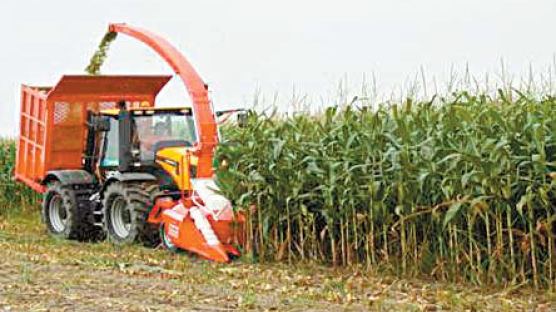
[[15, 196], [460, 189]]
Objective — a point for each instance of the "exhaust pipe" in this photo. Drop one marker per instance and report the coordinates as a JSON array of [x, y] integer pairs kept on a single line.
[[124, 138]]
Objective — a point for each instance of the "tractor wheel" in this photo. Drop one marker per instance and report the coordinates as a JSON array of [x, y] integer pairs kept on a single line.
[[63, 216], [126, 207]]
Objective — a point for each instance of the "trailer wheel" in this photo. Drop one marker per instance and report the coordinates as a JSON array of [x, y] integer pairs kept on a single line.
[[125, 208], [61, 214]]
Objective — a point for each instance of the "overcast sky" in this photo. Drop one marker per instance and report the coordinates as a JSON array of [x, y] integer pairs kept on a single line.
[[274, 46]]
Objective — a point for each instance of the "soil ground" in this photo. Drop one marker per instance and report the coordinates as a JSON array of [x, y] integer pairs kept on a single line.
[[39, 273]]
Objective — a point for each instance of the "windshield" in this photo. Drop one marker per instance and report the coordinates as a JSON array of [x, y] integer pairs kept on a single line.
[[162, 129]]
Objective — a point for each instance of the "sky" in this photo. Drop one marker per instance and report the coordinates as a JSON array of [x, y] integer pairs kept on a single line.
[[276, 48]]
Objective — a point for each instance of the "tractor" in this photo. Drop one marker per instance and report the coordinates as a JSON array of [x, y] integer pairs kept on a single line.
[[112, 164]]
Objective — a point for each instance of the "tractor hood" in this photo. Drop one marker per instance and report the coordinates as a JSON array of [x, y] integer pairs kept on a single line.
[[179, 163]]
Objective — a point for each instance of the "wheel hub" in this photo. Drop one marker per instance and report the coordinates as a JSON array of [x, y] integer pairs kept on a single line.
[[120, 216], [57, 213]]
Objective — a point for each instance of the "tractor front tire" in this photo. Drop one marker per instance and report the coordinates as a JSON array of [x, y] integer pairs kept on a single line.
[[125, 208], [60, 212]]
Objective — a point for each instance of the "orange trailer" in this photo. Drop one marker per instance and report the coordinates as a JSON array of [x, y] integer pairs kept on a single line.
[[53, 120]]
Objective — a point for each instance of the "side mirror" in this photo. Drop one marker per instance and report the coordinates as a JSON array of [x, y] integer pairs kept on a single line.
[[103, 124], [242, 119]]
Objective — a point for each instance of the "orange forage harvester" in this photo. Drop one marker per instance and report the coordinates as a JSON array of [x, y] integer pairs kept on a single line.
[[112, 164]]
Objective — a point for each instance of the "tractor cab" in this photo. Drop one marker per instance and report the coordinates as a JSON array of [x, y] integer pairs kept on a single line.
[[152, 130], [156, 140]]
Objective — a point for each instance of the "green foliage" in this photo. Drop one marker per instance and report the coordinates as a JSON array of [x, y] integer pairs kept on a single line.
[[14, 195], [100, 54], [461, 189]]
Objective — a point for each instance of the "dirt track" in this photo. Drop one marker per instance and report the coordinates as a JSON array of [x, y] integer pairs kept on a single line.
[[38, 273]]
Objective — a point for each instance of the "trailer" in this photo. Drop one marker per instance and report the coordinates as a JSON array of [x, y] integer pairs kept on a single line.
[[53, 120]]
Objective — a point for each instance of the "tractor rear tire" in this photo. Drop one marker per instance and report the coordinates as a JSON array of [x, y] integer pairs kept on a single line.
[[64, 217], [126, 207]]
